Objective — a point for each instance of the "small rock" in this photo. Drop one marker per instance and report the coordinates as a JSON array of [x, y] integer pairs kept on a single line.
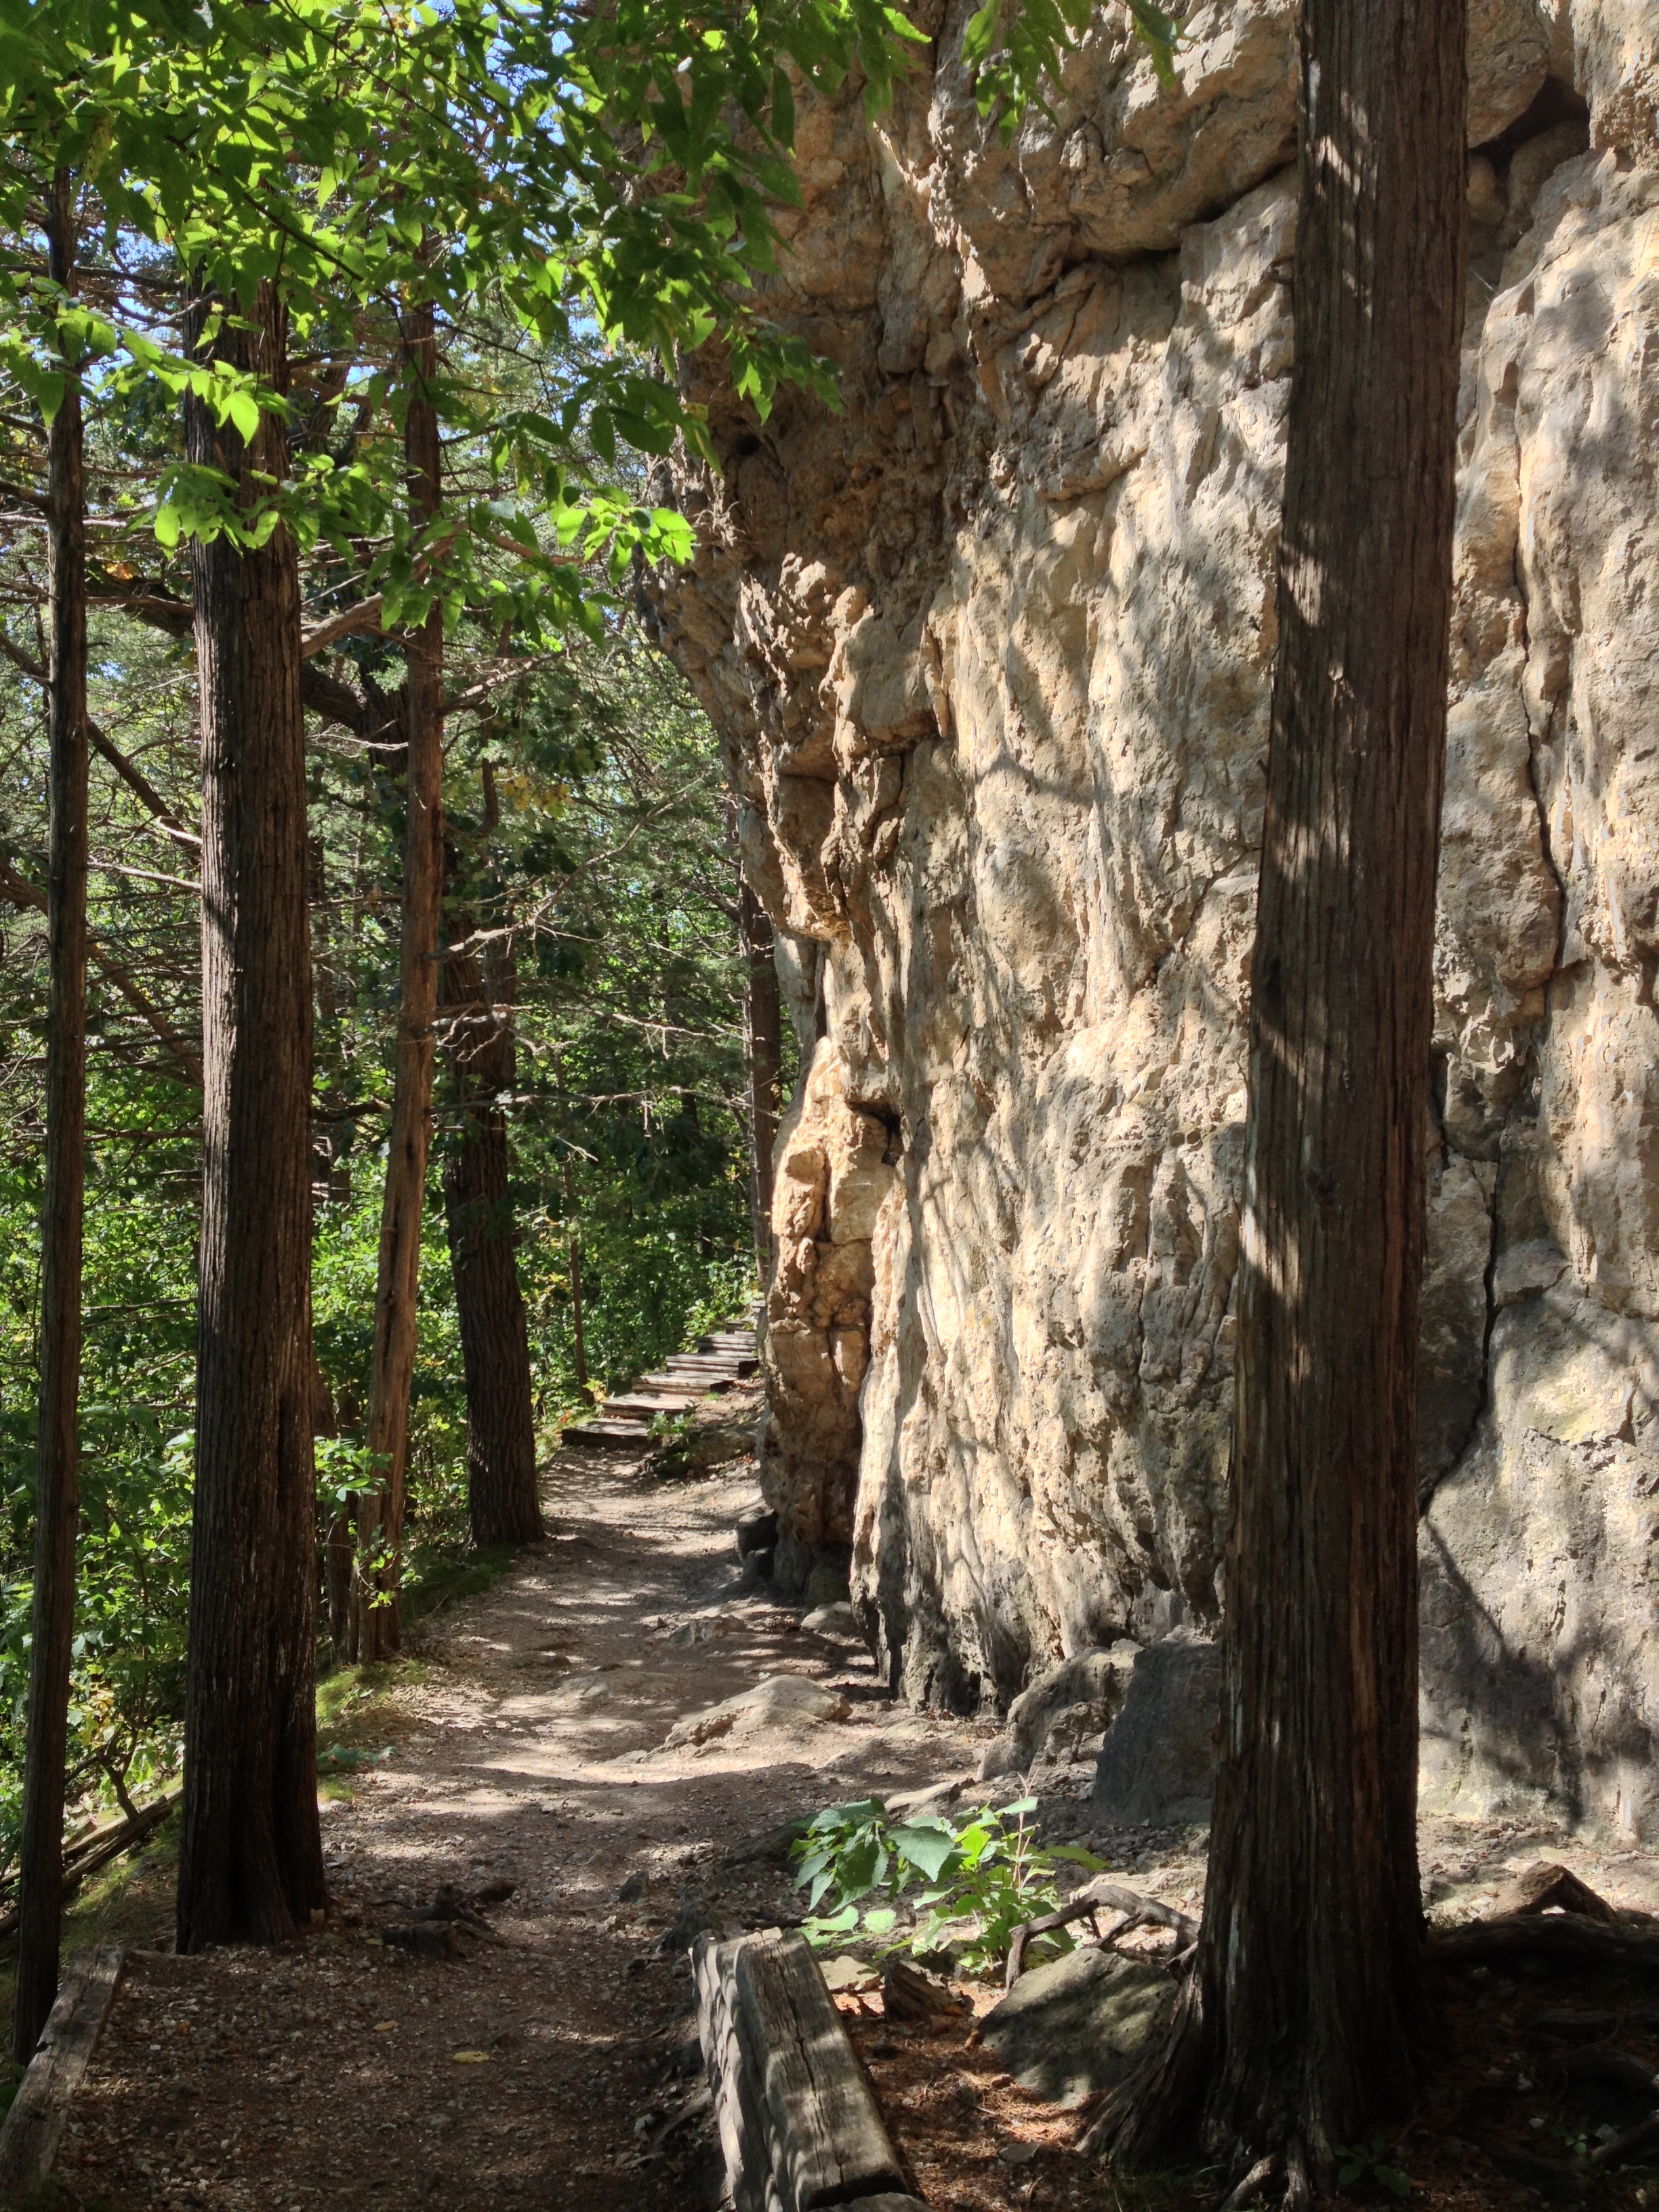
[[1017, 2154], [772, 1847], [688, 1923], [907, 1993], [634, 1887], [848, 1972], [1000, 1756], [782, 1701], [181, 2087], [756, 1530]]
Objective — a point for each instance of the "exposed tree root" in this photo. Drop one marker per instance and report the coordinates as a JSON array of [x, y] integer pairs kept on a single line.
[[1096, 1896], [1566, 1939], [1558, 2183], [1249, 2190], [1159, 2107], [1154, 2105], [1298, 2190], [1635, 2143]]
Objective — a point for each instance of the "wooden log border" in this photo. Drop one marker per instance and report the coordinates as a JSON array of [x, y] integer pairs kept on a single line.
[[29, 2137], [799, 2125]]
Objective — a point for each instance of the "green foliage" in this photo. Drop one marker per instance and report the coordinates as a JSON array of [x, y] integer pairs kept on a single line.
[[971, 1885], [1371, 2165]]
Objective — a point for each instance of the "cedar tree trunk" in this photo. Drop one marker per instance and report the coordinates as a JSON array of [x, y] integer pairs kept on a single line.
[[502, 1504], [56, 1451], [250, 1865], [1306, 2020], [574, 1247], [381, 1519], [762, 1024]]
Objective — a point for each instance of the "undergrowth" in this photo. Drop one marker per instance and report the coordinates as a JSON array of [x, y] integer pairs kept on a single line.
[[962, 1889]]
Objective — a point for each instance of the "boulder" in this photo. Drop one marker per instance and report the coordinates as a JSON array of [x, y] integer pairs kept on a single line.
[[838, 1621], [756, 1530], [1157, 1764], [1068, 2030], [785, 1702], [826, 1585], [1072, 1706]]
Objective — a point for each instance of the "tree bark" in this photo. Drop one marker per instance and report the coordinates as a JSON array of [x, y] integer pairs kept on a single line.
[[763, 1024], [503, 1506], [250, 1866], [573, 1248], [1306, 2020], [381, 1519], [58, 1449], [1311, 1955]]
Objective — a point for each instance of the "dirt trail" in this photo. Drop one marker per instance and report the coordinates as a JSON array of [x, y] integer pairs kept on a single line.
[[550, 2069], [531, 1751]]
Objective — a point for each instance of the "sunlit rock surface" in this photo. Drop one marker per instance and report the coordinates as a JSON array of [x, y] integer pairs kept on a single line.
[[990, 653]]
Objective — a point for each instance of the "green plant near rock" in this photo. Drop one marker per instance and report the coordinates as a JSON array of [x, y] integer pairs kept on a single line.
[[1371, 2165], [968, 1887]]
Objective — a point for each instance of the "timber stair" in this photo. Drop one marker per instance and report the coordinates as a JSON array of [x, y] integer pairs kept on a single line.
[[720, 1359]]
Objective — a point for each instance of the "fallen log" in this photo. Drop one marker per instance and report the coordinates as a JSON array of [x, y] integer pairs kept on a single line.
[[29, 2137], [799, 2124], [96, 1851]]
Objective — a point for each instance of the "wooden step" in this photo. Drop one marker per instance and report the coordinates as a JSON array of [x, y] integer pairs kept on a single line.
[[645, 1406], [692, 1386], [630, 1435], [735, 1363]]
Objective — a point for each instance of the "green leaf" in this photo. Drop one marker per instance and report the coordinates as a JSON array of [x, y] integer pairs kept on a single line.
[[930, 1847], [783, 107]]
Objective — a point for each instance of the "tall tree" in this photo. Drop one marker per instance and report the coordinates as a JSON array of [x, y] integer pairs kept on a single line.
[[380, 1521], [574, 1252], [480, 991], [762, 1036], [1305, 2019], [57, 1457], [251, 1864]]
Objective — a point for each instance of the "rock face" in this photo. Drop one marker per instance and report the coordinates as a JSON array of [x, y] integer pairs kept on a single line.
[[990, 654]]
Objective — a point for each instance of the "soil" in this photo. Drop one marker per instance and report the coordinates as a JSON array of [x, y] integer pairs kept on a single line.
[[550, 2060]]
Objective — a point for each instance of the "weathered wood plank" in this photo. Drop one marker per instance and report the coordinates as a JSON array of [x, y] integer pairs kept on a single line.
[[738, 2116], [28, 2140], [826, 2137]]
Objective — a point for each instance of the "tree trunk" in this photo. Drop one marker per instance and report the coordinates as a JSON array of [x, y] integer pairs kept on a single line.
[[250, 1865], [503, 1506], [1307, 2020], [762, 1025], [57, 1452], [574, 1247], [380, 1521]]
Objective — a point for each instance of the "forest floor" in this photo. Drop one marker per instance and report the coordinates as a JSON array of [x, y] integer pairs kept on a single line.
[[522, 1742]]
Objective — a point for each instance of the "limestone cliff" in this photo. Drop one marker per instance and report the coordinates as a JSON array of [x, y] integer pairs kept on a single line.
[[989, 652]]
